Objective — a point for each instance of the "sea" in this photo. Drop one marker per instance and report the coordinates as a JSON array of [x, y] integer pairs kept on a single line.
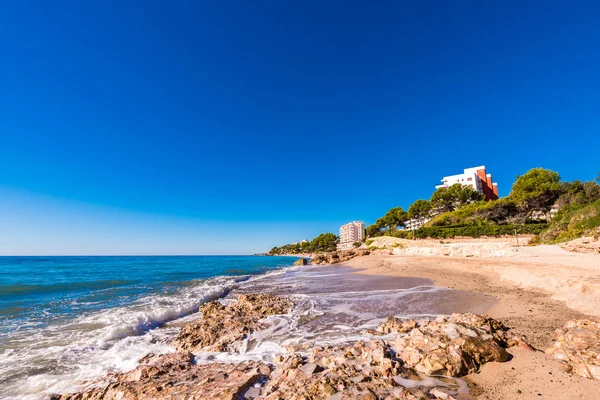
[[67, 321]]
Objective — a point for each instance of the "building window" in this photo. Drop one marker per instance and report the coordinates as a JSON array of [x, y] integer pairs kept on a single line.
[[469, 179]]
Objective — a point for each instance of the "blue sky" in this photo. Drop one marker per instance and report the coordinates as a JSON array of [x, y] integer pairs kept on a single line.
[[221, 127]]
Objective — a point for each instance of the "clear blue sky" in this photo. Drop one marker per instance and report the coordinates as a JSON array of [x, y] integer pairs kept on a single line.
[[211, 127]]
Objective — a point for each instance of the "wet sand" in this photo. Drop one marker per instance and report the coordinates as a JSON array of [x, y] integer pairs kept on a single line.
[[335, 304], [529, 311]]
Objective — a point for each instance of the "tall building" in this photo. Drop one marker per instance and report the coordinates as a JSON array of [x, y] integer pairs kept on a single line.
[[477, 178], [350, 233]]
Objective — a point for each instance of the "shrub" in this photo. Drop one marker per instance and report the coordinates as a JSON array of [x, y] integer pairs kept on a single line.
[[571, 222], [445, 232]]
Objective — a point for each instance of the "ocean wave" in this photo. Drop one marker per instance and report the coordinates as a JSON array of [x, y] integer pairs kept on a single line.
[[141, 322], [91, 345], [28, 289]]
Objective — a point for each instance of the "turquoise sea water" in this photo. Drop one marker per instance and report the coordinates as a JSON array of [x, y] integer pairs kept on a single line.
[[69, 318], [67, 321]]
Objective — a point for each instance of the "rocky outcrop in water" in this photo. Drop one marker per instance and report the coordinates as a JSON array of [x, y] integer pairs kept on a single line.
[[578, 345], [392, 365], [301, 261], [174, 376], [335, 257], [223, 328]]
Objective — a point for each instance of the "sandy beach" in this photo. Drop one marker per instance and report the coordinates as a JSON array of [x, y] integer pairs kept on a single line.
[[538, 289], [402, 322]]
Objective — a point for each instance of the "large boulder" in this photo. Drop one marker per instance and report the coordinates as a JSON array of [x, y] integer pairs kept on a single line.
[[301, 261], [578, 345], [453, 345]]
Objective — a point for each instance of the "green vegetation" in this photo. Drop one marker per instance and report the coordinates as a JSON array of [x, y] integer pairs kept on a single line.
[[579, 212], [323, 242], [473, 231], [420, 210], [461, 211], [537, 190], [454, 197], [393, 220]]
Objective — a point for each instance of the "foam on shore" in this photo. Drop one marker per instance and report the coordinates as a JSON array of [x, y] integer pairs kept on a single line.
[[332, 306]]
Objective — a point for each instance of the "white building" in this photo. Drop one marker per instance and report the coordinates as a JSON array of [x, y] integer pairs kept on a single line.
[[350, 233], [300, 242], [477, 178], [414, 223]]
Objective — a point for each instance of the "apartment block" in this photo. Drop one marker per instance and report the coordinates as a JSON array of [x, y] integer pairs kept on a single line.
[[350, 233], [477, 178]]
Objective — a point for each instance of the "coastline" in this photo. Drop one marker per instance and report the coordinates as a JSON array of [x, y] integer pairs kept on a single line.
[[531, 301], [271, 352]]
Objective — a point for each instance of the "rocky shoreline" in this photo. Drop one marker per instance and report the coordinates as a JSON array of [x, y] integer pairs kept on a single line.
[[458, 356], [403, 359]]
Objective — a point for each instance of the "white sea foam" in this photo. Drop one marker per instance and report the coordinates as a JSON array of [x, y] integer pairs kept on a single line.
[[60, 358]]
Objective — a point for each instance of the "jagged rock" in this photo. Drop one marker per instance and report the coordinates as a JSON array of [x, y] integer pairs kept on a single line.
[[222, 328], [301, 261], [578, 345], [338, 256], [365, 373], [175, 376], [368, 369], [453, 346]]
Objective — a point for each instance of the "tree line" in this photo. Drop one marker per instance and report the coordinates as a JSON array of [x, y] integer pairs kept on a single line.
[[530, 200], [322, 243], [461, 210], [446, 199]]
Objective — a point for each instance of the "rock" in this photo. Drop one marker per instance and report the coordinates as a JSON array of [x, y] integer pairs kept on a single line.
[[453, 346], [441, 395], [341, 374], [252, 393], [584, 245], [578, 345], [368, 369], [309, 368], [301, 261], [175, 376], [223, 328], [338, 256]]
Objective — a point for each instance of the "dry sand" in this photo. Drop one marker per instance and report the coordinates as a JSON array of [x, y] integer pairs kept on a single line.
[[538, 290]]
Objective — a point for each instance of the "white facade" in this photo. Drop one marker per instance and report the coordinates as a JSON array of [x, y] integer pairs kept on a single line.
[[350, 233], [475, 177], [414, 223], [468, 178], [300, 242]]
